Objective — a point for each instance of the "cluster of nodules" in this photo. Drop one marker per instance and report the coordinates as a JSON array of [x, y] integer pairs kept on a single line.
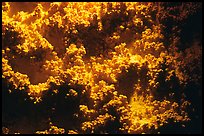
[[114, 51]]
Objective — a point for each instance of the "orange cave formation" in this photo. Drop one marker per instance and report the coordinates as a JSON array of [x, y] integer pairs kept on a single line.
[[101, 67]]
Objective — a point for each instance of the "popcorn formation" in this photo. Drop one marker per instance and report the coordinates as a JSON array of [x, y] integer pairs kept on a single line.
[[115, 52]]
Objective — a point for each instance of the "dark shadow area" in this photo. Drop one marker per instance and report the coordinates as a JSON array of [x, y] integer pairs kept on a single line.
[[61, 108], [18, 110], [181, 20], [144, 78], [93, 40], [111, 21], [10, 37], [56, 37], [127, 80], [167, 87], [193, 92], [191, 30], [21, 6], [191, 127], [111, 126], [31, 67]]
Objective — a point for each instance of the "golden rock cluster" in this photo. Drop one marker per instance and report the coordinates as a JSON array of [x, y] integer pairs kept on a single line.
[[114, 50]]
